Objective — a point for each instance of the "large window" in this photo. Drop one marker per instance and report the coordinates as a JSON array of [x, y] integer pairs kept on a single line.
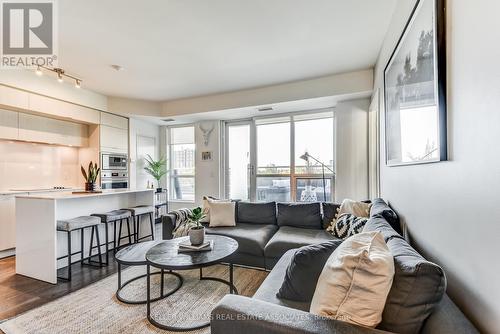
[[182, 163], [276, 167]]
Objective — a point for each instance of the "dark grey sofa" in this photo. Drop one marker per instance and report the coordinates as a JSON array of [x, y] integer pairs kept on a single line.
[[265, 231]]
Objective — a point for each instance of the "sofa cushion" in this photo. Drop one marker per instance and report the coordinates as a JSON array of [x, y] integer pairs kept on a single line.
[[381, 225], [418, 287], [329, 213], [271, 285], [380, 209], [257, 213], [306, 215], [304, 270], [289, 237], [251, 238]]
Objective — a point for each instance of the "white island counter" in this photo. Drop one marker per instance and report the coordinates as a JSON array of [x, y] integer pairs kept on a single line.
[[38, 244]]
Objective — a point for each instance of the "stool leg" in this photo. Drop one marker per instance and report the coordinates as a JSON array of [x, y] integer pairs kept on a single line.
[[136, 235], [98, 244], [114, 237], [128, 230], [119, 233], [152, 226], [69, 255], [81, 245], [91, 243]]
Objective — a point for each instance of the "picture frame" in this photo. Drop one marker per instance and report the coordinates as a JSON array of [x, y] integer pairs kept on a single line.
[[415, 89], [206, 156]]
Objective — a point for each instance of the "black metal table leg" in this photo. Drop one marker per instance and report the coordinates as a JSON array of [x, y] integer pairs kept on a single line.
[[231, 286]]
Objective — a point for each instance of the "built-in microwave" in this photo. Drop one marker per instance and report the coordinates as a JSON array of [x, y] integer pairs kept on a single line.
[[112, 161]]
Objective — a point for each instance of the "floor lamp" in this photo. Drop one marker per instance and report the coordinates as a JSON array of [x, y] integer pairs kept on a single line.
[[306, 157]]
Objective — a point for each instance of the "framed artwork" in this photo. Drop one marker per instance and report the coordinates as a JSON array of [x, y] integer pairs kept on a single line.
[[206, 156], [415, 89]]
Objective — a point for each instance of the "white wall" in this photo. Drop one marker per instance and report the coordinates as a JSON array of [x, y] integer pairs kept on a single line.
[[146, 129], [207, 178], [351, 118], [451, 208]]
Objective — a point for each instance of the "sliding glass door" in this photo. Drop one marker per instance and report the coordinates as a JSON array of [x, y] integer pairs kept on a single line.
[[282, 158]]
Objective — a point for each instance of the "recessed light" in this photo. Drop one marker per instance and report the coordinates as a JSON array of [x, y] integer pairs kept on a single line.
[[117, 67]]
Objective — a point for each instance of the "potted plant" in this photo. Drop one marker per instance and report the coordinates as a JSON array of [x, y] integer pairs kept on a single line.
[[90, 176], [156, 168], [197, 231]]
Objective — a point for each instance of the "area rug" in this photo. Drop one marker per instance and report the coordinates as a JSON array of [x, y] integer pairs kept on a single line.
[[95, 309]]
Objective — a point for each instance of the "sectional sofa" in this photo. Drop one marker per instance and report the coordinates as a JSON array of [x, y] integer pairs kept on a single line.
[[269, 235]]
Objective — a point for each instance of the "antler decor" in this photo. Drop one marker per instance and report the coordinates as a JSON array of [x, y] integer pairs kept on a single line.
[[206, 133]]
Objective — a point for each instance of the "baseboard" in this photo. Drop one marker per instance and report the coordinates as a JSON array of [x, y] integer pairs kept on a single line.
[[7, 253]]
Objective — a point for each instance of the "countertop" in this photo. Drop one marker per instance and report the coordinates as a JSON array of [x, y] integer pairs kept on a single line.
[[35, 191], [70, 195]]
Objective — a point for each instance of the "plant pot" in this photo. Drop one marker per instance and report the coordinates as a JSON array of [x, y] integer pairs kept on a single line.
[[197, 236], [90, 186]]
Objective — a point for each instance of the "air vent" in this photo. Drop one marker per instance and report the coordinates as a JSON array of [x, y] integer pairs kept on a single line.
[[166, 120], [265, 109]]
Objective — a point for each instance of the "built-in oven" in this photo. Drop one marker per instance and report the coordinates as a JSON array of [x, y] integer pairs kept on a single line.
[[114, 162], [114, 179]]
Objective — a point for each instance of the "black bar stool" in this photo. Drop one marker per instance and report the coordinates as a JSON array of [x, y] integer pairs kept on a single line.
[[80, 224], [114, 217], [138, 212]]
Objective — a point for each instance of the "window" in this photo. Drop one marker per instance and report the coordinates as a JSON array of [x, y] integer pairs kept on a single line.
[[182, 163]]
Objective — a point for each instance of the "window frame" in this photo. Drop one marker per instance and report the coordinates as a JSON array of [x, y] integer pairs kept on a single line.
[[171, 160]]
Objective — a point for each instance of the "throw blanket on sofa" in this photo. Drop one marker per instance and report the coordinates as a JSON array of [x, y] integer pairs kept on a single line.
[[181, 218]]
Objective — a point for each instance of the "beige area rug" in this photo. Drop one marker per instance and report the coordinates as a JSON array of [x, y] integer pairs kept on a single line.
[[95, 309]]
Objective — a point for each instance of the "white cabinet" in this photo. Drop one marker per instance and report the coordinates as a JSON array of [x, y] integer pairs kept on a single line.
[[13, 97], [9, 122], [52, 131], [7, 222], [114, 121], [114, 139], [63, 109]]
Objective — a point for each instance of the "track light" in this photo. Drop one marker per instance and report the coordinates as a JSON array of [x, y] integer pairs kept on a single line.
[[60, 74]]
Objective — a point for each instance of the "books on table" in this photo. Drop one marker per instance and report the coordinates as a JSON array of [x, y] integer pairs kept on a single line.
[[185, 246]]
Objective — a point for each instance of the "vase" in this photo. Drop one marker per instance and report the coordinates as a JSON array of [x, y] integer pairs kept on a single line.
[[197, 236], [90, 186]]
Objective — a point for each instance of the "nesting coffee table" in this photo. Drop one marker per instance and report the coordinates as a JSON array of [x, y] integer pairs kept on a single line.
[[164, 255]]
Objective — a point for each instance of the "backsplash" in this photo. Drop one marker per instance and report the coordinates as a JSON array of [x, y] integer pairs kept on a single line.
[[31, 165]]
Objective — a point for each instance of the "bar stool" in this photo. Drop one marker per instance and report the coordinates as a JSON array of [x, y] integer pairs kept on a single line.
[[113, 217], [80, 224], [138, 212]]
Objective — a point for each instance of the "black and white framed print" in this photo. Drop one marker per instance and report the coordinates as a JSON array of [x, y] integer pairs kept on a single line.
[[415, 89]]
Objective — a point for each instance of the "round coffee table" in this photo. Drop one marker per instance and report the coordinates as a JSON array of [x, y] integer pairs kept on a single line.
[[135, 255], [165, 256]]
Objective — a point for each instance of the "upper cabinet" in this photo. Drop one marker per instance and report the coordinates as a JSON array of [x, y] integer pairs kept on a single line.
[[9, 123], [41, 129], [49, 106], [11, 97], [114, 133]]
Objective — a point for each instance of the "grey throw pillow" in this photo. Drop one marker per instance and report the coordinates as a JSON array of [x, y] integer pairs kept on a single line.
[[303, 271]]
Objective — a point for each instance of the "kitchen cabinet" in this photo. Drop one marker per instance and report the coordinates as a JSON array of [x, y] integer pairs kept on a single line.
[[9, 122], [8, 222], [12, 97], [114, 121], [114, 139], [63, 109], [52, 131]]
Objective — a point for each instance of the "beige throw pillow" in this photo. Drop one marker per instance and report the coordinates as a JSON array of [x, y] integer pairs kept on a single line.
[[355, 281], [222, 214], [358, 209], [206, 207]]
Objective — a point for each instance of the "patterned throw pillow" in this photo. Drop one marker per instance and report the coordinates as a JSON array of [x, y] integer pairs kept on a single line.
[[347, 225]]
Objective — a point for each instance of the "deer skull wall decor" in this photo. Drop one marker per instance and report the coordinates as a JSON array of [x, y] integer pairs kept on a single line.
[[206, 133]]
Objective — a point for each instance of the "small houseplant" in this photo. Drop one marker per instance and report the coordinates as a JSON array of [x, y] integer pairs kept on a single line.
[[156, 168], [197, 231], [90, 176]]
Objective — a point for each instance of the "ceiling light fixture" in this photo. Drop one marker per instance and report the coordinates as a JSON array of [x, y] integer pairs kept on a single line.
[[117, 68], [61, 74]]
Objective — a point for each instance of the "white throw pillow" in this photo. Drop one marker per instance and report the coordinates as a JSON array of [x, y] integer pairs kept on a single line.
[[222, 213], [358, 209], [355, 281], [206, 207]]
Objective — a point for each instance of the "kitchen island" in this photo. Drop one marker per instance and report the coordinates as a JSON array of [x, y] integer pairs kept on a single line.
[[38, 244]]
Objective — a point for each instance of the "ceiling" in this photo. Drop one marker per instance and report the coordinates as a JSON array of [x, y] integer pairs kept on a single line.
[[174, 49]]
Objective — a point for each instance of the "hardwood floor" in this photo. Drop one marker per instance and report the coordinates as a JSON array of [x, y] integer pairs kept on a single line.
[[19, 294]]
